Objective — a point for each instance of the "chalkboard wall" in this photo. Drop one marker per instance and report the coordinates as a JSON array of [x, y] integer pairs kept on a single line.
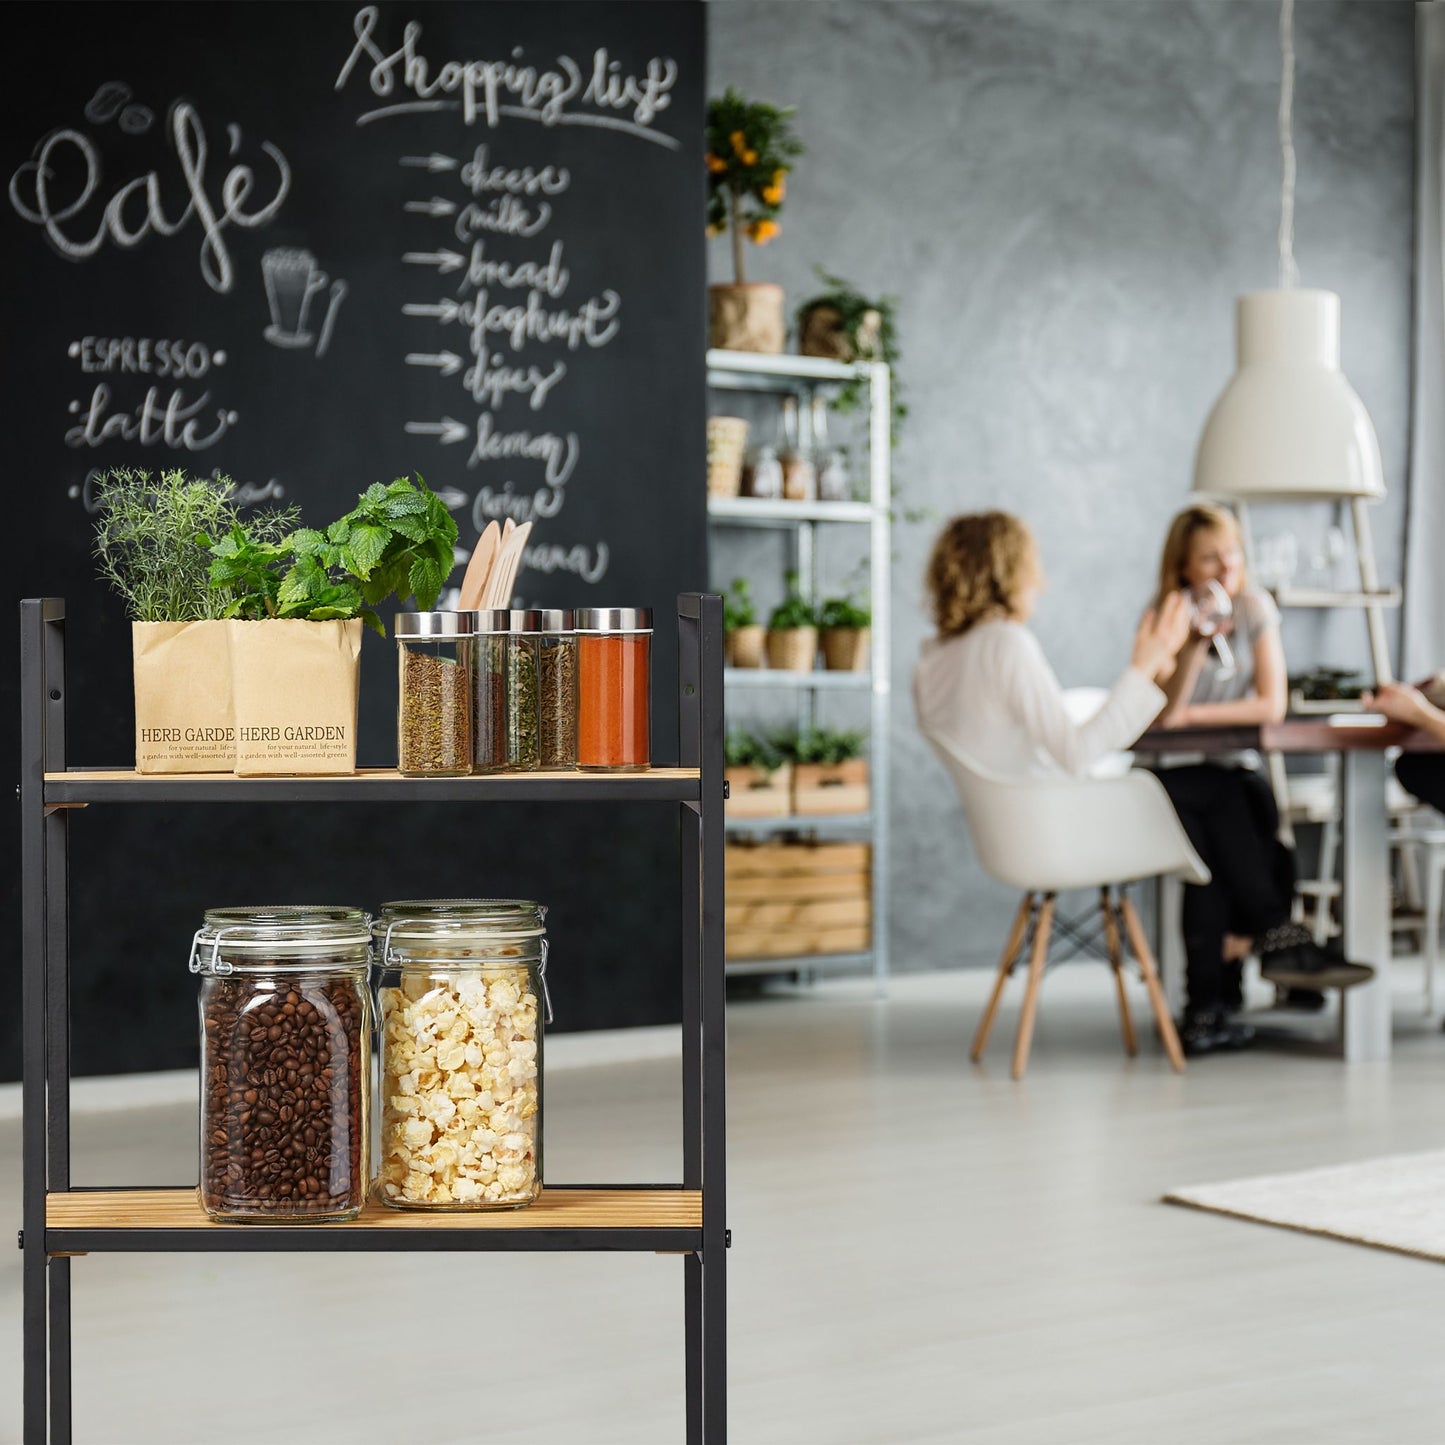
[[315, 246]]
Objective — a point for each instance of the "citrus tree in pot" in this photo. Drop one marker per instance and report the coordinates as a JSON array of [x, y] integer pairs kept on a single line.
[[151, 533], [742, 633], [750, 153], [792, 639], [296, 613], [846, 631]]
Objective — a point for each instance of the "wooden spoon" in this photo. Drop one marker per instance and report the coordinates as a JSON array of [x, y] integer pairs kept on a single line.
[[514, 562], [478, 573]]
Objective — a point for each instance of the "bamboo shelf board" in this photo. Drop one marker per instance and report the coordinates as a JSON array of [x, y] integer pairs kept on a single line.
[[132, 1212], [86, 785]]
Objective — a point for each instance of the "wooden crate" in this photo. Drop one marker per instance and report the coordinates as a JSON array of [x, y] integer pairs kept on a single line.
[[827, 788], [757, 793], [785, 899]]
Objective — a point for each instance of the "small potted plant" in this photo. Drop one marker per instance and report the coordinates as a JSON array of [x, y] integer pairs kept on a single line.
[[295, 617], [742, 632], [792, 639], [846, 631], [750, 153], [842, 324], [758, 775], [151, 533], [830, 774]]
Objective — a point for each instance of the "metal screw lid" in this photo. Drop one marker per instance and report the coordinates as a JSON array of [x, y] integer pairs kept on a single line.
[[613, 619], [433, 624]]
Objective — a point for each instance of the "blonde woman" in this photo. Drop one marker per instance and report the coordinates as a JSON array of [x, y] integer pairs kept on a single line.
[[1227, 807], [984, 684]]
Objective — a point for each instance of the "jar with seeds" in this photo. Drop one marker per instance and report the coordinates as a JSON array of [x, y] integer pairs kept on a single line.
[[489, 690], [434, 700], [286, 1028], [557, 691], [524, 665], [462, 999]]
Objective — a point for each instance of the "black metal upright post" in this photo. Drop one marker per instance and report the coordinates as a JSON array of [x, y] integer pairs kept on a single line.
[[704, 1018]]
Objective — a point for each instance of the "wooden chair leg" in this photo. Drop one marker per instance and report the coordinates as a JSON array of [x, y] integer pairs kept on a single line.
[[1140, 945], [1005, 969], [1031, 993], [1116, 962]]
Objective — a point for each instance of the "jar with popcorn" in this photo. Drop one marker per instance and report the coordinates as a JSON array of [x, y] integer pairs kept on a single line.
[[286, 1027], [461, 997]]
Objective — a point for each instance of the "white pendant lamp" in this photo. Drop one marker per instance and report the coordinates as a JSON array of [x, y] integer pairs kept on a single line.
[[1288, 424]]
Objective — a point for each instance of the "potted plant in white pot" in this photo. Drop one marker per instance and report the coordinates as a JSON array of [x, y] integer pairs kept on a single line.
[[792, 639], [151, 534], [296, 617], [845, 630], [750, 152], [742, 632]]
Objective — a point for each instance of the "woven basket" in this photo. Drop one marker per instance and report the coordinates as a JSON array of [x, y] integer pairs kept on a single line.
[[792, 649], [743, 647], [727, 439], [845, 649]]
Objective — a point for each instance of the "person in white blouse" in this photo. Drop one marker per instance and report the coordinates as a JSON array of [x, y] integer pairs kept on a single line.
[[1226, 805], [984, 683]]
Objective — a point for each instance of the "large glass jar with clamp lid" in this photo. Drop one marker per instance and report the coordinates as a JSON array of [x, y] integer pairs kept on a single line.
[[462, 996], [286, 1029]]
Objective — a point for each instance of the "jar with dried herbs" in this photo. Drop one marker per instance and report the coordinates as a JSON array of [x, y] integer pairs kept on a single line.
[[434, 701], [557, 691], [489, 690], [524, 666]]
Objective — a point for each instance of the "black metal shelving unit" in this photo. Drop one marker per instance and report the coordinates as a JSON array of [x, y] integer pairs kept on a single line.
[[59, 1221]]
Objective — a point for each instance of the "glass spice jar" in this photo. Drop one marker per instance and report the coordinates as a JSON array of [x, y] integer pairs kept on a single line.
[[461, 1052], [524, 666], [434, 699], [286, 1030], [557, 691], [614, 685], [489, 690]]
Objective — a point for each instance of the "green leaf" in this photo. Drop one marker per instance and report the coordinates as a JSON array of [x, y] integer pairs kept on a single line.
[[426, 579], [413, 527], [365, 548], [306, 539]]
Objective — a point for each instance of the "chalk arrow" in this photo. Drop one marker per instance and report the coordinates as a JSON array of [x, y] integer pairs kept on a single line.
[[443, 310], [446, 430], [448, 362], [434, 207], [432, 163], [444, 261]]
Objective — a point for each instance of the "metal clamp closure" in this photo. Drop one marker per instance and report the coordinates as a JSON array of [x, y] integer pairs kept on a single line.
[[216, 963]]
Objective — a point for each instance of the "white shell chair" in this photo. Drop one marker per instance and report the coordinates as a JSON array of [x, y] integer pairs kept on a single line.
[[1048, 835]]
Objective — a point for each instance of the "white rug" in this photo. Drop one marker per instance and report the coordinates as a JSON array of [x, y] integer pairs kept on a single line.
[[1395, 1203]]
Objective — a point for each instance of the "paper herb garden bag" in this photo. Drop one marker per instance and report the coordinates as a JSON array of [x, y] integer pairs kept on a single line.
[[294, 686], [183, 717]]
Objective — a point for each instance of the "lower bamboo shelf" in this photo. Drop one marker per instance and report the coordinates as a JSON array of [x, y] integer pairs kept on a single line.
[[579, 1217]]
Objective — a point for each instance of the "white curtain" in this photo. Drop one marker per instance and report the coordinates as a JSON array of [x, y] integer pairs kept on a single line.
[[1424, 621]]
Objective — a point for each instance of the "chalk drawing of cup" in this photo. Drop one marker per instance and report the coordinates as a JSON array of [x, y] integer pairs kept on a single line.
[[292, 279]]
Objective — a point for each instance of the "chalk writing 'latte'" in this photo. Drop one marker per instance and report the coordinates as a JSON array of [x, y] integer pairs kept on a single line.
[[492, 88], [38, 194]]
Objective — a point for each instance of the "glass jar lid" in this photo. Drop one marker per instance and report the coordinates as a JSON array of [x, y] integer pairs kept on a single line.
[[282, 935], [506, 619], [557, 619], [433, 624], [482, 921], [613, 619]]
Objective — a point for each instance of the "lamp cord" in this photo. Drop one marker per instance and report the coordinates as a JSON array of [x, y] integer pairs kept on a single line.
[[1288, 271]]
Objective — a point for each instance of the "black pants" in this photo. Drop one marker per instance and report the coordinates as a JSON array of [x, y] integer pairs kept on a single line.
[[1423, 774], [1231, 819]]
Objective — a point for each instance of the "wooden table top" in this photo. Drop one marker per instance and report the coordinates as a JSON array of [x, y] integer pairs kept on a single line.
[[1293, 735]]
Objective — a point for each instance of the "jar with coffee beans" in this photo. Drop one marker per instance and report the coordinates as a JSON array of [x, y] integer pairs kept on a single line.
[[286, 1028], [462, 995]]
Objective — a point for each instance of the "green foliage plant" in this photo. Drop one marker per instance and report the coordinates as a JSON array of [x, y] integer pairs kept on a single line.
[[750, 153], [738, 609], [744, 749], [844, 612], [830, 746], [794, 610], [398, 539], [855, 312], [151, 534]]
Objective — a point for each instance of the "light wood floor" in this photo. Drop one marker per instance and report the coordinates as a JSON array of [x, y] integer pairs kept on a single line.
[[923, 1252]]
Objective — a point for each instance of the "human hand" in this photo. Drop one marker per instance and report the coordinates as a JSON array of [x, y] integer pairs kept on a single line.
[[1400, 703], [1160, 636]]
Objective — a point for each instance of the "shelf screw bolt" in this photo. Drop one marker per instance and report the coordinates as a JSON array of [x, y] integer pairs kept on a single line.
[[727, 789], [727, 1239], [19, 1239]]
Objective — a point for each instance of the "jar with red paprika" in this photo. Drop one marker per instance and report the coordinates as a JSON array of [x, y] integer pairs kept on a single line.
[[614, 687]]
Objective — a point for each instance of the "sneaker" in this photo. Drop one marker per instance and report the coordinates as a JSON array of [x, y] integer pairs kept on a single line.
[[1209, 1031], [1304, 1000], [1289, 952]]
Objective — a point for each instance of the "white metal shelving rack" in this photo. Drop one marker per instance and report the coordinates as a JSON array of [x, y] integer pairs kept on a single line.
[[803, 376]]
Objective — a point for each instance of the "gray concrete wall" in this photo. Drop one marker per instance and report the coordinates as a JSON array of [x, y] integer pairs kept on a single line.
[[1066, 198]]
